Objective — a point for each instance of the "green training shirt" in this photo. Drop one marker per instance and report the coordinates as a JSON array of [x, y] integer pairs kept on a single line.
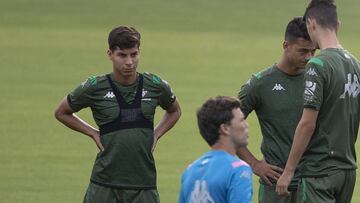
[[127, 161], [332, 88], [277, 99]]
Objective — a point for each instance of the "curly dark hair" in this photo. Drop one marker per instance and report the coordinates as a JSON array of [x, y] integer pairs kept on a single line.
[[213, 113]]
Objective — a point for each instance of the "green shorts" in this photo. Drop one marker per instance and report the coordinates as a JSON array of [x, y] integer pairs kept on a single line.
[[97, 193], [267, 194], [336, 188]]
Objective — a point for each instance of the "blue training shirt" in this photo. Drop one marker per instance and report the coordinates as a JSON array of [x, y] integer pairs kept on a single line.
[[218, 177]]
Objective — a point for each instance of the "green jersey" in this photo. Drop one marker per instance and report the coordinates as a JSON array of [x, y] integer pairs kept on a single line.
[[127, 160], [332, 88], [277, 100]]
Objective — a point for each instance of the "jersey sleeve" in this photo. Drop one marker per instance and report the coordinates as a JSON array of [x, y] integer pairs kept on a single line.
[[167, 97], [80, 98], [247, 96], [241, 189], [314, 84]]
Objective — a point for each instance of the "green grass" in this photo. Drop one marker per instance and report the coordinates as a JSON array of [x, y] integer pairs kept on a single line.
[[203, 48]]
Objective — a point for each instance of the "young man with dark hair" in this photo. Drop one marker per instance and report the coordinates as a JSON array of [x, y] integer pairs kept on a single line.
[[123, 106], [276, 96], [324, 141], [219, 176]]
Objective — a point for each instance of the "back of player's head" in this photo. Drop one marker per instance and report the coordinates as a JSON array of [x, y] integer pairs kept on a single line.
[[296, 29], [124, 37], [324, 12], [213, 113]]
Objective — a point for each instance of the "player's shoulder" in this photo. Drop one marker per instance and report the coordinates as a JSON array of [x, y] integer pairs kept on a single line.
[[318, 61], [326, 57], [261, 77], [232, 162], [153, 80], [94, 81], [241, 167], [235, 162]]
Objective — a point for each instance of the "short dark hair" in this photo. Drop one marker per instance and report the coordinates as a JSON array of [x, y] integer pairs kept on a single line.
[[324, 12], [124, 37], [296, 29], [213, 113]]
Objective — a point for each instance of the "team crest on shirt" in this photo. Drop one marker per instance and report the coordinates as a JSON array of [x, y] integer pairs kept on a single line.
[[143, 94]]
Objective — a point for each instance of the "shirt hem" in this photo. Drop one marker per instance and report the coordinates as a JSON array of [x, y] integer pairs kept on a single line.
[[129, 187]]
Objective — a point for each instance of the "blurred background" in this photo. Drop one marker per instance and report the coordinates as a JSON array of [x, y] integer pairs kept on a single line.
[[203, 48]]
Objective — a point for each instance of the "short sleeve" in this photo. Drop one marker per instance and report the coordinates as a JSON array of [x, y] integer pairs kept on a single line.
[[241, 186], [247, 97], [167, 97], [79, 98], [314, 84]]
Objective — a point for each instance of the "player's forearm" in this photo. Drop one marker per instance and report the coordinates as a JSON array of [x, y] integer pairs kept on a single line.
[[65, 114], [245, 154], [75, 123], [302, 137], [169, 119]]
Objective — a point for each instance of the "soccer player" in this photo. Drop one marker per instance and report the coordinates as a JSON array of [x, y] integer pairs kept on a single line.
[[276, 96], [219, 175], [324, 141], [123, 105]]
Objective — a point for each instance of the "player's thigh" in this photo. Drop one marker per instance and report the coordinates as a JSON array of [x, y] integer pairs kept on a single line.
[[316, 190], [137, 196], [347, 182], [267, 194], [96, 193]]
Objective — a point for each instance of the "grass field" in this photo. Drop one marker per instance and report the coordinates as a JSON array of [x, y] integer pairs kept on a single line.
[[203, 48]]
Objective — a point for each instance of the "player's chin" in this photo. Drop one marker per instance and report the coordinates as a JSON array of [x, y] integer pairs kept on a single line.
[[129, 72], [243, 143]]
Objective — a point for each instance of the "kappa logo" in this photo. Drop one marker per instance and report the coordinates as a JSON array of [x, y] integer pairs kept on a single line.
[[352, 87], [278, 87], [310, 88], [312, 72], [201, 193], [109, 94]]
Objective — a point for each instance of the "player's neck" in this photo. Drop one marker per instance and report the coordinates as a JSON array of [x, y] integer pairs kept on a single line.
[[328, 39], [125, 80], [224, 146], [288, 68]]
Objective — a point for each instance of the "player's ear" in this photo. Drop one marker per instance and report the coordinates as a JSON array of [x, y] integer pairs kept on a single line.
[[338, 24], [285, 44], [109, 53], [224, 129], [311, 24]]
